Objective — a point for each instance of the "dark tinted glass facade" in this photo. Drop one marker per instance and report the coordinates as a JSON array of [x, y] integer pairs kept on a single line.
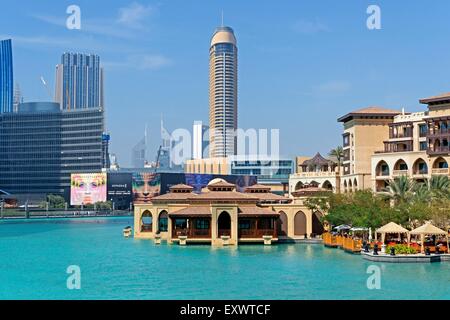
[[6, 76], [40, 147]]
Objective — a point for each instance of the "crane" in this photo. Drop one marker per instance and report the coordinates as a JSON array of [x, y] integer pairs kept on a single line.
[[46, 87], [157, 159]]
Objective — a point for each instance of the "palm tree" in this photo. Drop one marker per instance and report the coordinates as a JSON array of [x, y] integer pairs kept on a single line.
[[401, 189], [438, 186], [338, 154]]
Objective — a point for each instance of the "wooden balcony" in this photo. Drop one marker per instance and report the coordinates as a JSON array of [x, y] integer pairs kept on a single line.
[[192, 233], [257, 233], [438, 151]]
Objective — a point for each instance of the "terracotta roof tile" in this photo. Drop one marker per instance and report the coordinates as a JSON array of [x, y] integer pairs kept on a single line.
[[224, 195], [193, 211], [372, 110], [441, 97], [256, 211]]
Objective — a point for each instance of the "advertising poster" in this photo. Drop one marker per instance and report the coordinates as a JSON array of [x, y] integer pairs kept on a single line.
[[87, 188], [146, 185]]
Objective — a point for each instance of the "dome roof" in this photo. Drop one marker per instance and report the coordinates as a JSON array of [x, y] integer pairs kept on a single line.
[[223, 35], [216, 180]]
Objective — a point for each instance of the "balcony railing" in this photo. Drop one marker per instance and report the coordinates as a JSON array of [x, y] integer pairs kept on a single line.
[[192, 233], [315, 174], [398, 173], [256, 233], [440, 171], [437, 151], [384, 173], [422, 172]]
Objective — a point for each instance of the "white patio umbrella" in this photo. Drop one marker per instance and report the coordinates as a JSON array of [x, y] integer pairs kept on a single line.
[[429, 229], [391, 227]]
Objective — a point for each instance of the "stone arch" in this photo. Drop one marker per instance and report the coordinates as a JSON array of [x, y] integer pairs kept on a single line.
[[282, 224], [327, 185], [420, 166], [401, 165], [146, 223], [345, 186], [440, 163], [382, 169], [300, 224], [224, 224], [163, 221], [350, 185], [317, 226], [299, 185], [355, 184]]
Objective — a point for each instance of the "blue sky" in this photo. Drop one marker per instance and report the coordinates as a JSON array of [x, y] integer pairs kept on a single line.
[[302, 64]]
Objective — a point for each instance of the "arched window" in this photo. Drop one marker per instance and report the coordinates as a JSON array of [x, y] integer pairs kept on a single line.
[[300, 224], [146, 221]]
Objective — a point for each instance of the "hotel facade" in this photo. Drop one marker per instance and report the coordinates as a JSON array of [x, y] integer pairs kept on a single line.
[[365, 131], [417, 145]]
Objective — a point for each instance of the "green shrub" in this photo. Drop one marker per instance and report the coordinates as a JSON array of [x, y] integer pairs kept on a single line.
[[401, 249]]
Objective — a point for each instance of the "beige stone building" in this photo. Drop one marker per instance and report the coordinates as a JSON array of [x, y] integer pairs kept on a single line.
[[417, 145], [315, 172], [220, 215], [365, 130]]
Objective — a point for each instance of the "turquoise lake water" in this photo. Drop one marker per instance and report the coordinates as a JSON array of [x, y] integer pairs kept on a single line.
[[35, 255]]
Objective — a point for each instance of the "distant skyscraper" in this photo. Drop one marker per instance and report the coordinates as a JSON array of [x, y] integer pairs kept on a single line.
[[200, 141], [6, 76], [223, 61], [17, 98], [166, 146], [79, 82], [139, 152]]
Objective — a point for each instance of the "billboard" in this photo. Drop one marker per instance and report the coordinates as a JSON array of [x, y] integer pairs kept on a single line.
[[119, 189], [146, 185], [87, 188]]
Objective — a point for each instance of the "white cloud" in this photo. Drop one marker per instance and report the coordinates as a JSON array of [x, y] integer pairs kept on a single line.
[[310, 27], [134, 15], [102, 27], [141, 62]]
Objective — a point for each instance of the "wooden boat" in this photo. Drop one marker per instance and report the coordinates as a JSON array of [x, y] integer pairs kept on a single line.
[[127, 231]]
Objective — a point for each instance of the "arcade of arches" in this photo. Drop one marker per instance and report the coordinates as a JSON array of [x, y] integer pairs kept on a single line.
[[223, 213]]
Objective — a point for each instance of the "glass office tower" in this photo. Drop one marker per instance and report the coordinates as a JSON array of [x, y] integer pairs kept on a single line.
[[223, 93], [6, 76], [40, 146], [79, 82]]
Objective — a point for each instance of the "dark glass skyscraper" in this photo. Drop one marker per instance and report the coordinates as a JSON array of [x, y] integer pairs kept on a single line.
[[6, 76], [40, 146], [79, 82]]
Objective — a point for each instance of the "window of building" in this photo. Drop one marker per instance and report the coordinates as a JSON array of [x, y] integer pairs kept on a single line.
[[202, 224], [423, 145], [423, 130]]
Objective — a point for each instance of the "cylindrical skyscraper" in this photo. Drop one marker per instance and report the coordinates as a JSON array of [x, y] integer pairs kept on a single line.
[[223, 93]]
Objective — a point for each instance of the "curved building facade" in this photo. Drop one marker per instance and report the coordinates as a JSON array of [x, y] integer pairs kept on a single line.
[[223, 61]]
